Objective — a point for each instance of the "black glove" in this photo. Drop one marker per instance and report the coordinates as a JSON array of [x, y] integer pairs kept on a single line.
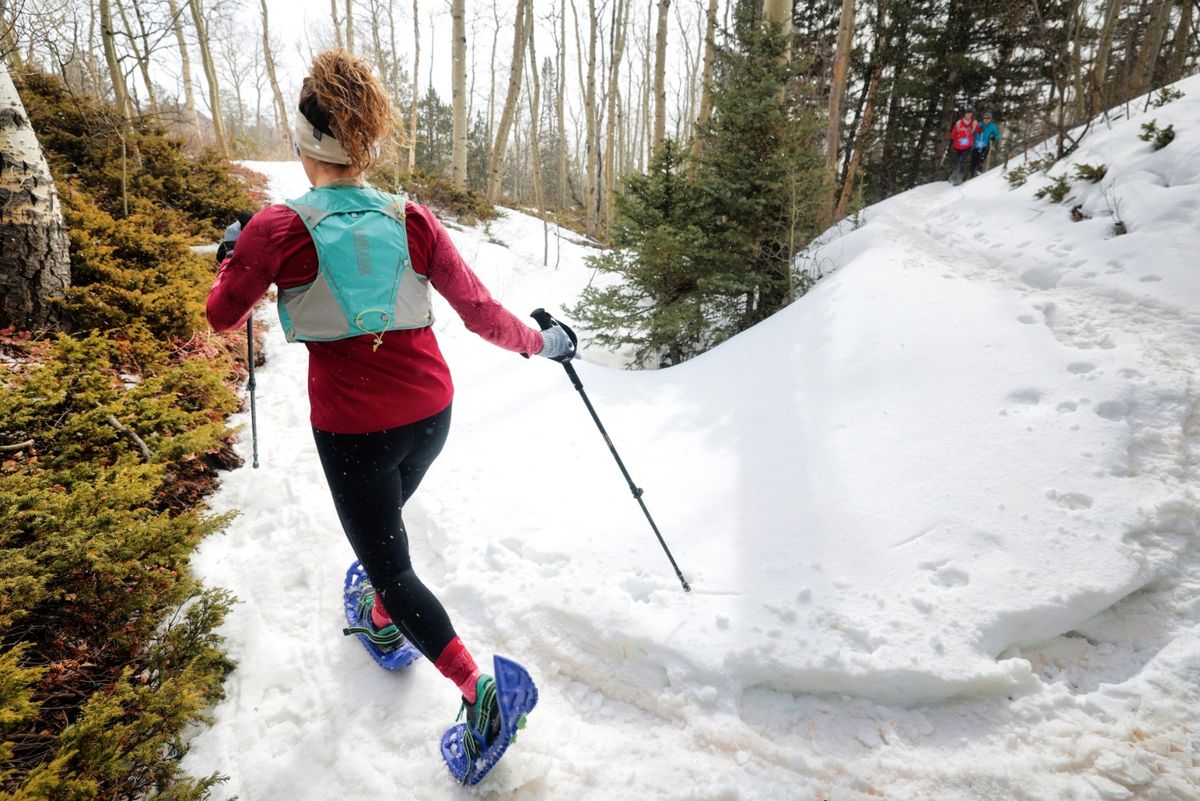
[[558, 341]]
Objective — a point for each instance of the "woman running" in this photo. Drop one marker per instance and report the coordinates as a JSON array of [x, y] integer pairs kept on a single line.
[[354, 267]]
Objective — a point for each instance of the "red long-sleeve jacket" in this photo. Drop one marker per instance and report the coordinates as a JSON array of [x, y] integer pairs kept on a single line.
[[352, 388], [962, 135]]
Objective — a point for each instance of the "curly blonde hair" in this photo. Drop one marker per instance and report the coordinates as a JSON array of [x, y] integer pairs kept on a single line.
[[342, 96]]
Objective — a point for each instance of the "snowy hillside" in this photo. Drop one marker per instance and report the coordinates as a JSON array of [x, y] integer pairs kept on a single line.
[[939, 516]]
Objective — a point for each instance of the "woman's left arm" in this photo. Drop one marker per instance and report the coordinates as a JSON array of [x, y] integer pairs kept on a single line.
[[480, 312]]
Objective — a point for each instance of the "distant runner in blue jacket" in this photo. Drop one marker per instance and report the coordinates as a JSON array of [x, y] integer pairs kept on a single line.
[[987, 135]]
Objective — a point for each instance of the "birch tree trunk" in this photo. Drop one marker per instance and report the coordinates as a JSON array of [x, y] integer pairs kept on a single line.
[[8, 40], [535, 145], [189, 97], [412, 137], [560, 109], [1180, 46], [837, 89], [108, 35], [1099, 95], [860, 140], [779, 12], [660, 71], [337, 24], [496, 161], [1151, 48], [210, 74], [458, 166], [710, 46], [35, 265], [280, 105], [620, 22], [141, 54], [350, 25], [592, 140]]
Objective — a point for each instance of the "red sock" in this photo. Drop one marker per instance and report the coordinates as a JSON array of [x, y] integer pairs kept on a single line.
[[379, 615], [456, 664]]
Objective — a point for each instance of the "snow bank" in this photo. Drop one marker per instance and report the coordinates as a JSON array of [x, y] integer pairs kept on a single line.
[[977, 434]]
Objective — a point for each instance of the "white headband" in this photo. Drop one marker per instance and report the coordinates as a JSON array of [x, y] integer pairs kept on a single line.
[[320, 146]]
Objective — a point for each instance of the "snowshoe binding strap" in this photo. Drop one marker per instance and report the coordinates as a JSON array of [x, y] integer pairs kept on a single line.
[[387, 638]]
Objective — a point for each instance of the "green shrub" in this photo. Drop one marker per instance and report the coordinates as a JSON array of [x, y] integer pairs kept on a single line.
[[1166, 95], [193, 197], [464, 205], [1020, 174], [1057, 190], [1159, 137], [108, 644], [1086, 172]]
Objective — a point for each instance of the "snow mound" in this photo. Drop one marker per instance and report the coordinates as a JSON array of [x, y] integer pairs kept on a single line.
[[939, 516]]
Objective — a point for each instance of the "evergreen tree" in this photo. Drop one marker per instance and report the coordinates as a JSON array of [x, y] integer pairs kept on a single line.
[[704, 245], [435, 137], [658, 305], [759, 173]]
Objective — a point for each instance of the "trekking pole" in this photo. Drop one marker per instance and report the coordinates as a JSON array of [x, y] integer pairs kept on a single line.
[[545, 320], [251, 386]]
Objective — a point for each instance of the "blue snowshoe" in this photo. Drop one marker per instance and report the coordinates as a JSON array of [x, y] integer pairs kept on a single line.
[[387, 645], [473, 748]]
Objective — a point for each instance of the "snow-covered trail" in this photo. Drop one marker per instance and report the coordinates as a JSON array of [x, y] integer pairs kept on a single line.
[[940, 518]]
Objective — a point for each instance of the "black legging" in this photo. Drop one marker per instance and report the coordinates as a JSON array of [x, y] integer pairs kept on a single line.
[[371, 477]]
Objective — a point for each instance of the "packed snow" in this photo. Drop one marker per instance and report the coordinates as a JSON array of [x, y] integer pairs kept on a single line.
[[939, 517]]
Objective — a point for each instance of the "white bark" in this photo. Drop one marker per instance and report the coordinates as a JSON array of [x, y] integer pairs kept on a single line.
[[280, 105], [496, 162], [412, 135], [660, 69], [34, 262], [458, 166], [189, 97], [210, 73]]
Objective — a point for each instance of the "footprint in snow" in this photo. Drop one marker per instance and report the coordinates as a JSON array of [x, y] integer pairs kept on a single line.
[[1080, 368], [1071, 500], [1113, 410], [1026, 397]]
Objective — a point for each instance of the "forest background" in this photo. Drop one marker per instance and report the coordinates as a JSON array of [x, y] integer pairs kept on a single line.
[[701, 146]]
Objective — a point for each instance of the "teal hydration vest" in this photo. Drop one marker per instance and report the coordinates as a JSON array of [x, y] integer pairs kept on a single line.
[[365, 282]]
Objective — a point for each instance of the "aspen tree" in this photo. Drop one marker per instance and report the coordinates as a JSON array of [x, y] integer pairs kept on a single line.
[[620, 23], [337, 24], [1099, 73], [660, 69], [412, 137], [1179, 46], [560, 107], [496, 161], [189, 97], [837, 88], [35, 266], [591, 125], [269, 59], [535, 146], [1151, 48], [210, 74], [350, 25], [108, 35], [458, 166], [710, 36], [140, 54]]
